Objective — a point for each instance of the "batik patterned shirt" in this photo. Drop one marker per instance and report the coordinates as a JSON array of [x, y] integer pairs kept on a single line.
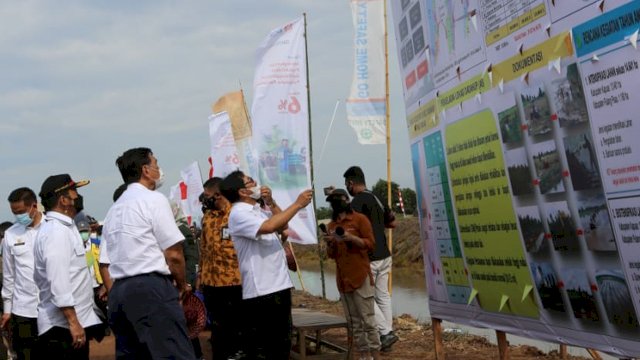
[[218, 258]]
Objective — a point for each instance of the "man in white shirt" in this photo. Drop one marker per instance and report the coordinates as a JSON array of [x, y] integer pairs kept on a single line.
[[144, 253], [19, 291], [266, 284], [66, 309]]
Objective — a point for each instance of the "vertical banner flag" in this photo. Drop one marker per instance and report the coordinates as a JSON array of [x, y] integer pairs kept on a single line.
[[224, 155], [233, 103], [281, 123], [192, 178], [178, 201], [366, 105]]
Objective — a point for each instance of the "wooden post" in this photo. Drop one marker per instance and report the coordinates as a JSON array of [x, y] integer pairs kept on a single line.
[[436, 326], [594, 354], [563, 351], [503, 345]]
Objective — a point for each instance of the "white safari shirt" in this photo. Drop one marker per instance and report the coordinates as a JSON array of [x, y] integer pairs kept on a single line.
[[19, 290], [137, 230], [263, 265], [61, 274]]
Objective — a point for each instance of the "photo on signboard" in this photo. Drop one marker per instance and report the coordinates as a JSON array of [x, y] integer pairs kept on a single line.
[[595, 222], [519, 172], [568, 97], [415, 16], [408, 51], [580, 294], [547, 282], [418, 40], [616, 298], [548, 167], [581, 157], [561, 226], [509, 120], [536, 109], [403, 29], [531, 228]]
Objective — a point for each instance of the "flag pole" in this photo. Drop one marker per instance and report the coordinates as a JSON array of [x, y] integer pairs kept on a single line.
[[388, 134], [320, 247]]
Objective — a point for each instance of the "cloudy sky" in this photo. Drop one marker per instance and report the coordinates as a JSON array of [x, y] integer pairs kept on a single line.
[[82, 81]]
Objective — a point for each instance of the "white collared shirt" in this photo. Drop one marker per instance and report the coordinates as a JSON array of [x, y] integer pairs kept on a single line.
[[61, 273], [137, 230], [19, 290], [263, 265]]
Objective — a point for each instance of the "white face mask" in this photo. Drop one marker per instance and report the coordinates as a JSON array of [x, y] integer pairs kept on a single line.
[[255, 192], [160, 180]]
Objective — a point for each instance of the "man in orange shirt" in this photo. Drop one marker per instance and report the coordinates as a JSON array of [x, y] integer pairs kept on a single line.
[[349, 239], [219, 274]]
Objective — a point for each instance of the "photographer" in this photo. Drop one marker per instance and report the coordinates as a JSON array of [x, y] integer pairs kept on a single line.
[[349, 238]]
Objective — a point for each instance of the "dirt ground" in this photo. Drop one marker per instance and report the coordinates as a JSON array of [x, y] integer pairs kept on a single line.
[[416, 340]]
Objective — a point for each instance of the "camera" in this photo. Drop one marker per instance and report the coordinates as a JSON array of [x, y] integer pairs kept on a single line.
[[328, 190], [339, 230]]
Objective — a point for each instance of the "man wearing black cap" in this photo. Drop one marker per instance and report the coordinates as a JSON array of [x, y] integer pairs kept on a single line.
[[145, 257], [349, 238], [66, 295]]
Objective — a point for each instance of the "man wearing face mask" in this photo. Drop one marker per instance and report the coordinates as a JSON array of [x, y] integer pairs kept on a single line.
[[19, 291], [220, 274], [266, 284], [366, 203], [145, 256], [66, 310]]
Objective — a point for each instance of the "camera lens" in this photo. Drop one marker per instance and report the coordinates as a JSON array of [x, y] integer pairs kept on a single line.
[[339, 231]]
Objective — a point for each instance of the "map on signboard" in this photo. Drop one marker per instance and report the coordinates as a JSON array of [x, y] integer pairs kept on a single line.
[[453, 35]]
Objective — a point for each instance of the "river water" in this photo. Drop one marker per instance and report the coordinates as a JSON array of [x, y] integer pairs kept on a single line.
[[410, 297]]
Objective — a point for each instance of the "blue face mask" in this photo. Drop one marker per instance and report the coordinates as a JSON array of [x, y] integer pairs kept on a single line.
[[24, 219]]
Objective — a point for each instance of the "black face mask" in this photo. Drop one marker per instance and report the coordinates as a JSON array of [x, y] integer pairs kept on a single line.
[[208, 203], [78, 204], [339, 206]]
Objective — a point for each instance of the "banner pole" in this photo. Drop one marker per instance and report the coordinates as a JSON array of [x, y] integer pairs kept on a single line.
[[388, 135], [320, 248]]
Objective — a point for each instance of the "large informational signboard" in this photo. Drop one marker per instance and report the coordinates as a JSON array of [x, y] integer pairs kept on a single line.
[[524, 120]]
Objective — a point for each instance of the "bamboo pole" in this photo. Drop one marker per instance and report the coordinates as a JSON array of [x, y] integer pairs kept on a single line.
[[594, 354], [388, 135], [306, 58], [503, 345], [563, 351], [295, 260], [436, 326]]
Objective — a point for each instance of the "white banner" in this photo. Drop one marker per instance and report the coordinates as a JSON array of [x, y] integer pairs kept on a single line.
[[281, 123], [366, 105], [192, 179], [224, 155]]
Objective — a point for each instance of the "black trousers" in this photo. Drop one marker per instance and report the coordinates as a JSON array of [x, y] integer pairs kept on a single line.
[[147, 319], [269, 319], [224, 306], [57, 343], [25, 337]]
